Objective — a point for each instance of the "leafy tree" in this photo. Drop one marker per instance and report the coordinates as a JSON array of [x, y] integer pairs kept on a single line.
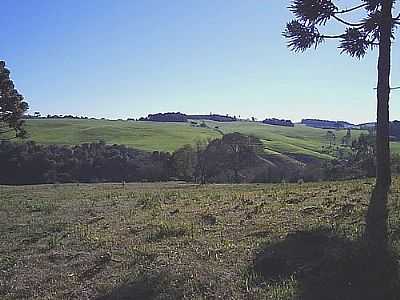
[[201, 169], [364, 154], [184, 161], [12, 106], [210, 160], [374, 30], [346, 140], [331, 137], [240, 151]]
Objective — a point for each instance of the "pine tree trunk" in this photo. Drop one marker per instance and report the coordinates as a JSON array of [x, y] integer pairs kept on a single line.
[[376, 230], [236, 172], [383, 179]]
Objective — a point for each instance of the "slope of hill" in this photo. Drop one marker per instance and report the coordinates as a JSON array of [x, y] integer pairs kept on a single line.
[[295, 141], [149, 136], [298, 141], [181, 241]]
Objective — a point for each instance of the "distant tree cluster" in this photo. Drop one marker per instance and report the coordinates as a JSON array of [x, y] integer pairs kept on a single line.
[[166, 117], [213, 117], [180, 117], [278, 122], [37, 115]]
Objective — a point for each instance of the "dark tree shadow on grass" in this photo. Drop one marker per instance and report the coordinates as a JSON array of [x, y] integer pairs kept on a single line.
[[145, 287], [329, 267]]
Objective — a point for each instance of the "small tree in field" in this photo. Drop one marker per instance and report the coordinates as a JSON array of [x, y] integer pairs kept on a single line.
[[374, 30], [12, 107], [331, 137]]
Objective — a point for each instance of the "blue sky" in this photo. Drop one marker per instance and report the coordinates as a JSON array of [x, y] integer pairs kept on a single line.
[[128, 58]]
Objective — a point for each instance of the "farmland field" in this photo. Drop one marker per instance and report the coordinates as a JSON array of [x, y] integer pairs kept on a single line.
[[181, 241], [151, 136]]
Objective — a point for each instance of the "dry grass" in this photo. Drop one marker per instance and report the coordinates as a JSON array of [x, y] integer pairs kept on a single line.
[[165, 241]]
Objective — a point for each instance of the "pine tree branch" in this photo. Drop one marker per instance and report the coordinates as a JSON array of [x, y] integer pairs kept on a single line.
[[348, 23], [344, 11], [392, 89], [339, 36]]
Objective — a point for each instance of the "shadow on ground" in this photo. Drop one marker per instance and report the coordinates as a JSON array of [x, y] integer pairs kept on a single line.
[[144, 289], [147, 287], [329, 267]]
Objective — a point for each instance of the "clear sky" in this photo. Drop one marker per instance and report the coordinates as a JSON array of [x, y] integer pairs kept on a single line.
[[128, 58]]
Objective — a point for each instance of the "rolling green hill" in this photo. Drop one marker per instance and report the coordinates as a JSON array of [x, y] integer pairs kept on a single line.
[[151, 136], [147, 136]]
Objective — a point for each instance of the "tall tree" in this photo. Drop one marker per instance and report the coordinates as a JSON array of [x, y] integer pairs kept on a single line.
[[12, 107], [375, 30]]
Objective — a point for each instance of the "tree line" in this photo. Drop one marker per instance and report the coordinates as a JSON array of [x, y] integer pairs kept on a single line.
[[234, 158], [180, 117], [217, 161]]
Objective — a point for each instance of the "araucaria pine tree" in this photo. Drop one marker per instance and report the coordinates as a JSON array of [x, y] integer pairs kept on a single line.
[[374, 30], [12, 107]]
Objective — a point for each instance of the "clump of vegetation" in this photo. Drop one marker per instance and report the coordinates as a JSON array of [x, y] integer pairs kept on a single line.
[[165, 231]]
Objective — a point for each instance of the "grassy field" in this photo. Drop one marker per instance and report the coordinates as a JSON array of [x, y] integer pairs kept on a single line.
[[300, 140], [147, 136], [180, 241]]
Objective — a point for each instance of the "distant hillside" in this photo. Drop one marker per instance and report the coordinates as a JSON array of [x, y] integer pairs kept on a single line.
[[299, 142], [394, 129], [367, 126], [327, 124], [149, 136], [169, 136]]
